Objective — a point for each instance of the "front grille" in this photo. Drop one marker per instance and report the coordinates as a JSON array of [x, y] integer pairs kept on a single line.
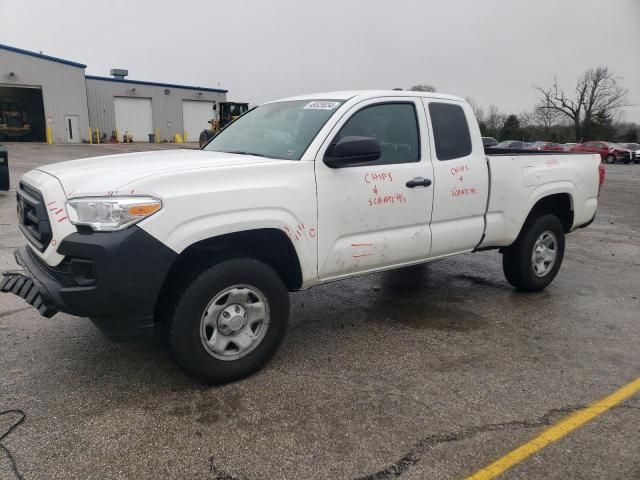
[[33, 220]]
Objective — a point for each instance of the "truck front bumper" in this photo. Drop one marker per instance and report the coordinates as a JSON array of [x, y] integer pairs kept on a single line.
[[114, 278]]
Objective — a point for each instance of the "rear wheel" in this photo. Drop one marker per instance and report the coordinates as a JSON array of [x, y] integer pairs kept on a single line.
[[533, 261], [229, 321]]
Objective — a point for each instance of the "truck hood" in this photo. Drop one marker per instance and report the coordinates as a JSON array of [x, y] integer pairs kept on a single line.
[[105, 175]]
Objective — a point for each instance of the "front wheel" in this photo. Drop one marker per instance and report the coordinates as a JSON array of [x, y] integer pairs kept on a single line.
[[533, 261], [610, 159], [229, 321]]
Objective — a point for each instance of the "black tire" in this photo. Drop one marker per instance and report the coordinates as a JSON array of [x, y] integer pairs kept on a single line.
[[185, 340], [610, 159], [204, 138], [517, 259]]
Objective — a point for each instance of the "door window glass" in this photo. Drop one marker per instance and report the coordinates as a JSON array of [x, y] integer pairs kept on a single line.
[[450, 131], [394, 125]]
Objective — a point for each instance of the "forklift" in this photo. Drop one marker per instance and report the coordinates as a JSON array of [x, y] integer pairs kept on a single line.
[[227, 113], [12, 120]]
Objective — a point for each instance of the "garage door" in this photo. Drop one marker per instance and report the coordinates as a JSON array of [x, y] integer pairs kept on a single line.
[[195, 116], [134, 115], [21, 114]]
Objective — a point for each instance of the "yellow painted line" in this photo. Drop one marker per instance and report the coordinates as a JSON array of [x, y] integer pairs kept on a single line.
[[556, 432]]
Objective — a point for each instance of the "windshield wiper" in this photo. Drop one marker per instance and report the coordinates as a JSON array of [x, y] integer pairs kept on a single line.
[[238, 152]]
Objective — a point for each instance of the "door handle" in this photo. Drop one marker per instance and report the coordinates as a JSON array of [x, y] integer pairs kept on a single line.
[[419, 182]]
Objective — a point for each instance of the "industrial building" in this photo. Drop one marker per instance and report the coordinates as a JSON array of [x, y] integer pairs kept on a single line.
[[38, 91], [140, 108], [44, 98]]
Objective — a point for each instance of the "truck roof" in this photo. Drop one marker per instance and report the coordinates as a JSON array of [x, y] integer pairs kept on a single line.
[[364, 94]]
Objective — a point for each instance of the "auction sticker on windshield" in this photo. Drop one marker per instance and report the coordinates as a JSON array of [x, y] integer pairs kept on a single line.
[[321, 105]]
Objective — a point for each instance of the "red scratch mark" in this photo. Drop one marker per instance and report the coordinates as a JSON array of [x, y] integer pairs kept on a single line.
[[375, 189], [362, 244], [552, 163], [287, 229], [51, 203], [312, 232], [297, 238], [60, 210], [362, 255], [378, 177], [456, 192], [456, 170], [387, 199], [61, 219], [54, 242]]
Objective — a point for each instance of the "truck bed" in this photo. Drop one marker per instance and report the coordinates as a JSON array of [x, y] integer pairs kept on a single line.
[[542, 174]]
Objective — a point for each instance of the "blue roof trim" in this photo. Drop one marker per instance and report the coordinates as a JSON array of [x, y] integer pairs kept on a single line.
[[156, 84], [41, 57]]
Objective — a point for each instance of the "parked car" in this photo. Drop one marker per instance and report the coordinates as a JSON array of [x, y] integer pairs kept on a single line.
[[609, 152], [489, 142], [204, 246], [512, 144], [634, 147], [545, 146], [568, 146]]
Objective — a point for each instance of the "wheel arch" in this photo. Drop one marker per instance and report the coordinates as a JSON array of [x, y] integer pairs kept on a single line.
[[559, 204], [269, 245]]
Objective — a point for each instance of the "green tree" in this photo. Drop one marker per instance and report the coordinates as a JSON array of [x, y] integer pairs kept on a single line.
[[631, 135], [511, 129]]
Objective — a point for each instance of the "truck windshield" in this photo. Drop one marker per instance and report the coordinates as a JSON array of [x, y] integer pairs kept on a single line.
[[275, 130]]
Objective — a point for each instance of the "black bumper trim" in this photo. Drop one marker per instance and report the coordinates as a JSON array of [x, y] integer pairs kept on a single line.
[[24, 286], [130, 268]]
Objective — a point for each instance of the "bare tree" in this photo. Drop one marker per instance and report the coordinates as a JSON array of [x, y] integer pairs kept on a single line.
[[423, 88], [494, 120], [597, 95], [477, 109]]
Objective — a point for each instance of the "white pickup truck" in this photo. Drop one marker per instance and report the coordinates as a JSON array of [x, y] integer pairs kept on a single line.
[[205, 245]]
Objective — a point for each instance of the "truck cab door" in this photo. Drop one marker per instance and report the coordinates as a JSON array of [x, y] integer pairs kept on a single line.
[[461, 177], [375, 215]]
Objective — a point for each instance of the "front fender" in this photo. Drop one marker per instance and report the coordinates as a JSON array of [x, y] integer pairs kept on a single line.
[[193, 230], [196, 207]]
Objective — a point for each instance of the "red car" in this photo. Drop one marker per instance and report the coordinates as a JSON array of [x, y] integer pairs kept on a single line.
[[546, 147], [609, 152]]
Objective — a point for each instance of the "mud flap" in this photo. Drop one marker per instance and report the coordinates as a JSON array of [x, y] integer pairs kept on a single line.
[[23, 286]]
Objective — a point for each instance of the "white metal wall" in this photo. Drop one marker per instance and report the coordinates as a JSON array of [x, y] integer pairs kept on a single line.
[[63, 88], [167, 109]]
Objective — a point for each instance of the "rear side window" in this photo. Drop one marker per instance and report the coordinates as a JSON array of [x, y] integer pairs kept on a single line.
[[394, 125], [450, 131]]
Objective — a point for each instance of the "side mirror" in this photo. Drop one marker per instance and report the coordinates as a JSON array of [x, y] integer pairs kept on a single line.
[[352, 151]]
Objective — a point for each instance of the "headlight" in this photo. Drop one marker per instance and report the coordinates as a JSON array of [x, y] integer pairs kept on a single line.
[[111, 213]]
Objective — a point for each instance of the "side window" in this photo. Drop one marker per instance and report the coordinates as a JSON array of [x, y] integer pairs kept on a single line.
[[394, 125], [450, 131]]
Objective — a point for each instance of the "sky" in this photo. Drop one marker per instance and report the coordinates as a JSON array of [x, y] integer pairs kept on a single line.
[[493, 51]]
